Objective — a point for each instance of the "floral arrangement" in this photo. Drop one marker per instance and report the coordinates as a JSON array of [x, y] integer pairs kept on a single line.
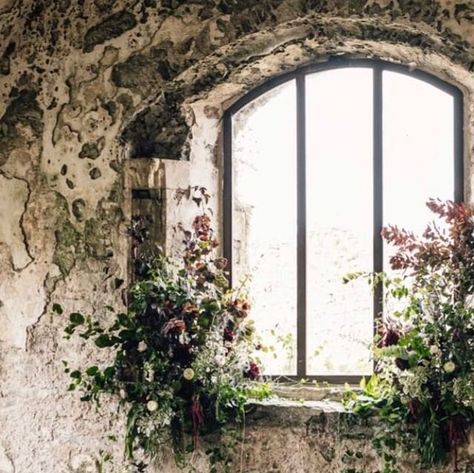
[[423, 389], [183, 353]]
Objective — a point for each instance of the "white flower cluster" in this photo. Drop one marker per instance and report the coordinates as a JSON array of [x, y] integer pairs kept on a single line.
[[221, 362], [413, 382], [148, 372], [160, 417], [463, 391]]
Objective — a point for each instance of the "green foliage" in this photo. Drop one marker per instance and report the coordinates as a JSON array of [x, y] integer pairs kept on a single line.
[[423, 388], [182, 353]]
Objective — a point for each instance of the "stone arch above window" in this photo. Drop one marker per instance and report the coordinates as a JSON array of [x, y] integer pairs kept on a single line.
[[163, 127]]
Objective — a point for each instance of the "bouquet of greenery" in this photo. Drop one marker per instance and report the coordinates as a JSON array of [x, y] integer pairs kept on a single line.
[[183, 352], [423, 388]]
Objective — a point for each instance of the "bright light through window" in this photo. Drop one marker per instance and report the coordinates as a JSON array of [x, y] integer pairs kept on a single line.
[[325, 126], [339, 220], [264, 156]]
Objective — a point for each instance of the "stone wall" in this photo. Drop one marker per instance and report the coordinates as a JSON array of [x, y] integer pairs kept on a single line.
[[90, 91]]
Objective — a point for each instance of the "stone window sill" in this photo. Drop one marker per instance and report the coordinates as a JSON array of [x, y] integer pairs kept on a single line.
[[324, 417], [317, 409], [308, 392], [288, 410]]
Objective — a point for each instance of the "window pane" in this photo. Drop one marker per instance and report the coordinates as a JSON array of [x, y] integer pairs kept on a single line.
[[339, 221], [264, 219], [418, 152]]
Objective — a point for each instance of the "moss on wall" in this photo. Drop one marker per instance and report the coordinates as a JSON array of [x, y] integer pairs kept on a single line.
[[23, 110], [112, 27]]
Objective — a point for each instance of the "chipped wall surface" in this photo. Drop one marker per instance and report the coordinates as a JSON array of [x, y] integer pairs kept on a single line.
[[88, 86]]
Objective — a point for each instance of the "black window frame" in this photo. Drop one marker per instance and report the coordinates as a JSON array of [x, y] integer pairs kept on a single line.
[[299, 75]]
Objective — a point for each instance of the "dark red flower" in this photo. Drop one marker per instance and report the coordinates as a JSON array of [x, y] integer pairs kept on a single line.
[[390, 337], [197, 416], [414, 408], [229, 335], [201, 266], [173, 326], [189, 308], [254, 371], [240, 308], [220, 263]]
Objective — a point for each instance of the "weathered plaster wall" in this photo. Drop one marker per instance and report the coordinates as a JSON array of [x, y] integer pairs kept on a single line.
[[85, 86]]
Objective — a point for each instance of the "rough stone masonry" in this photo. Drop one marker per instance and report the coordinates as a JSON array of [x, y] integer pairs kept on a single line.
[[92, 93]]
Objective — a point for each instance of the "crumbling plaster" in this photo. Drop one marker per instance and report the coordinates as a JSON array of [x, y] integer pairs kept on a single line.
[[89, 86]]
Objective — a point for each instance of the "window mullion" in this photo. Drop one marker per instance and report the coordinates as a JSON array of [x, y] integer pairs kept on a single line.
[[458, 151], [378, 188], [228, 203], [301, 223]]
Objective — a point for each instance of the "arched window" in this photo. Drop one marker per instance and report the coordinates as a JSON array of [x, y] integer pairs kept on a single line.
[[316, 162]]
